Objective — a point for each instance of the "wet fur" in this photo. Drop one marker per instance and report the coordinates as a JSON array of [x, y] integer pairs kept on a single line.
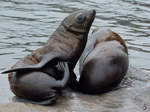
[[104, 62]]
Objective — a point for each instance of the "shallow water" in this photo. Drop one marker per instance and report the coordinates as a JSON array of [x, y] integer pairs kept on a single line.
[[26, 25]]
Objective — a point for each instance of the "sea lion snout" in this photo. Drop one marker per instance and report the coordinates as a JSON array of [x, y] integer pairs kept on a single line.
[[92, 12]]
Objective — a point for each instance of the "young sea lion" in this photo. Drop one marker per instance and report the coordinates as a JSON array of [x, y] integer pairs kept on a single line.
[[104, 62], [66, 44]]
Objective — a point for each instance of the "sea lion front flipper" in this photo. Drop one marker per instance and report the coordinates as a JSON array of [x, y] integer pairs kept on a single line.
[[47, 58]]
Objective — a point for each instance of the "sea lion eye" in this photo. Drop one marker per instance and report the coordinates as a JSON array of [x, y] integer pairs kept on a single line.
[[81, 18]]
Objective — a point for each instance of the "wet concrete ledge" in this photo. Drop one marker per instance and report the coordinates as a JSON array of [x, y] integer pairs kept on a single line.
[[133, 96]]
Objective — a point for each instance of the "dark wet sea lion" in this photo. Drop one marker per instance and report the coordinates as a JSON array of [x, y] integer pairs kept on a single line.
[[65, 44], [38, 87], [104, 62]]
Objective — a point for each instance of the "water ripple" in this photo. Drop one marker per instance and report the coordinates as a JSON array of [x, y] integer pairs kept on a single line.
[[27, 24]]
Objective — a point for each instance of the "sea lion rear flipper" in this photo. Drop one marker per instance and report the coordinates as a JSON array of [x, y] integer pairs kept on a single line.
[[47, 58], [63, 66]]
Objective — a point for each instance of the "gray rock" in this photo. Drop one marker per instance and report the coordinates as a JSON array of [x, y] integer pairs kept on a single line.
[[132, 95]]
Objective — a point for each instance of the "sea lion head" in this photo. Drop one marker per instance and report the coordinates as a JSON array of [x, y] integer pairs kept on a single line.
[[79, 21]]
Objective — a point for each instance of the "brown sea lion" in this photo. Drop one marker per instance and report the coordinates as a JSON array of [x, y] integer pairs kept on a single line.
[[104, 62], [65, 44]]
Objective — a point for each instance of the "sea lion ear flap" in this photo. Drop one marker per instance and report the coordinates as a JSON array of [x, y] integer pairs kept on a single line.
[[47, 58]]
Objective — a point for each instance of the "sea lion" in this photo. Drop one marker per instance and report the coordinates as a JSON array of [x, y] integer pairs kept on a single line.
[[65, 44], [39, 87], [104, 62]]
